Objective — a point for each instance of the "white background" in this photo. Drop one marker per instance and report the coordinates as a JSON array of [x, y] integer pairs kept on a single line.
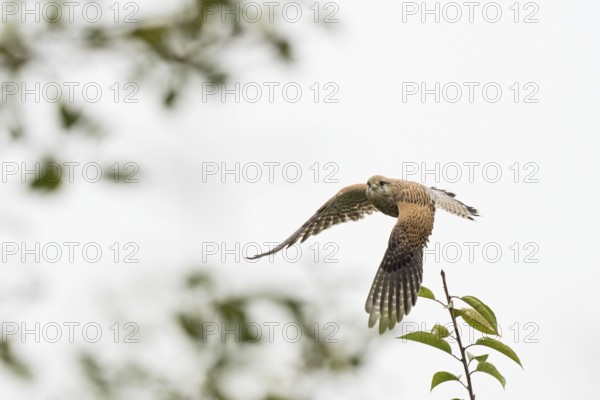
[[173, 211]]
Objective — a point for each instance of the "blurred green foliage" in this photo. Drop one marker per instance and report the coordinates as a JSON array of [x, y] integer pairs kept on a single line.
[[183, 46], [9, 360], [224, 356]]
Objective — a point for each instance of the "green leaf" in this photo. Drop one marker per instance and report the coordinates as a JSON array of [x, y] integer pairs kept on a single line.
[[476, 320], [429, 339], [482, 309], [7, 357], [441, 377], [499, 346], [440, 330], [49, 177], [152, 36], [490, 369], [482, 357], [426, 293], [68, 116], [169, 97]]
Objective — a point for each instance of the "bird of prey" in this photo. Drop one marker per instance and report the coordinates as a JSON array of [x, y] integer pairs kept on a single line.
[[398, 279]]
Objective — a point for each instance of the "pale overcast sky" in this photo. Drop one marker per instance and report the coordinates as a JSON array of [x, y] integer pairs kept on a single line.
[[503, 114]]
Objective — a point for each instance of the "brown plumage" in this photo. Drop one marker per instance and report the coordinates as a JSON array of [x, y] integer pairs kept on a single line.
[[349, 203], [398, 279]]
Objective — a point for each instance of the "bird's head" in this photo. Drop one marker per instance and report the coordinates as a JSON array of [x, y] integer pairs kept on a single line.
[[378, 183]]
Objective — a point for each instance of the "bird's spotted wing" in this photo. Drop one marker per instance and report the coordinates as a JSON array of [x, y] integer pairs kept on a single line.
[[398, 279], [350, 203], [447, 201]]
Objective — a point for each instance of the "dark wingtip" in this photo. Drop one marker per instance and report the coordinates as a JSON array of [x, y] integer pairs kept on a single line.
[[268, 253], [473, 211]]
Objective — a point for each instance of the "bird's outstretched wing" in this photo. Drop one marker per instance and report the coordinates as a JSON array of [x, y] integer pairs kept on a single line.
[[398, 279], [446, 201], [350, 203]]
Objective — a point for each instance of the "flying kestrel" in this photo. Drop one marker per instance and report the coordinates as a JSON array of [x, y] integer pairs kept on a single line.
[[398, 279]]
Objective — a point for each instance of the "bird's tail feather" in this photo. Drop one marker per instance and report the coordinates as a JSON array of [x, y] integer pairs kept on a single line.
[[447, 201], [394, 292]]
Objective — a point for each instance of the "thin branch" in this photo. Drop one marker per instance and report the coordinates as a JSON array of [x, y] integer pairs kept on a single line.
[[436, 300], [463, 358], [458, 358]]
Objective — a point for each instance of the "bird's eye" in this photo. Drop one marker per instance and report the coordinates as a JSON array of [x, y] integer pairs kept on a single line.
[[381, 183]]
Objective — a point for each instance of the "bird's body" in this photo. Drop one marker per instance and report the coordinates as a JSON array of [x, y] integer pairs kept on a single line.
[[398, 279]]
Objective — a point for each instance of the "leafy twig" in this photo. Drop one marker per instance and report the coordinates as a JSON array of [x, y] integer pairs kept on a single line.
[[479, 317], [463, 357]]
